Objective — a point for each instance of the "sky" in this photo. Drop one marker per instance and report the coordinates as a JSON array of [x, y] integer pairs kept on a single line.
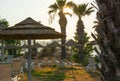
[[15, 11]]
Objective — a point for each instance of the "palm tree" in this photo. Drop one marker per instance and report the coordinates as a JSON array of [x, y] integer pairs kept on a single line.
[[108, 39], [80, 10], [58, 7]]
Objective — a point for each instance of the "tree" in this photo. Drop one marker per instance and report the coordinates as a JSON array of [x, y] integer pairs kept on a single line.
[[80, 10], [108, 39], [4, 22], [48, 51], [12, 51], [10, 42], [88, 49], [59, 7]]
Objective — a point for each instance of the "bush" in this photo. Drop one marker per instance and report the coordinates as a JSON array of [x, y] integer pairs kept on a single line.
[[75, 58]]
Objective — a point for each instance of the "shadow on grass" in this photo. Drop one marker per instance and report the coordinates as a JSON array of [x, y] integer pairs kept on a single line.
[[95, 75], [53, 75]]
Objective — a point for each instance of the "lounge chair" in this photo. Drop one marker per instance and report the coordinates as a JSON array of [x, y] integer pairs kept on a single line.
[[91, 65], [32, 65], [17, 68], [9, 58]]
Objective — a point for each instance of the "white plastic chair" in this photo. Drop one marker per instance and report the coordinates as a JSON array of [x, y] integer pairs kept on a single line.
[[91, 65], [32, 65], [57, 62], [17, 68], [9, 58]]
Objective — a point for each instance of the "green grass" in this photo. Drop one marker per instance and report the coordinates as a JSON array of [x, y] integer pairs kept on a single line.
[[55, 77], [50, 75]]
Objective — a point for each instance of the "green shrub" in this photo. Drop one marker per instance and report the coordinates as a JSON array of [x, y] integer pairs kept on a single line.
[[75, 59]]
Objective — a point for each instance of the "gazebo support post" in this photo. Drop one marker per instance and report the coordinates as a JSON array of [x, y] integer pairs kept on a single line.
[[2, 52], [29, 59]]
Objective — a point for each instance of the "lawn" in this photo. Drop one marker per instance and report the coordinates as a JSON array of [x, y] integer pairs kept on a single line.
[[64, 74]]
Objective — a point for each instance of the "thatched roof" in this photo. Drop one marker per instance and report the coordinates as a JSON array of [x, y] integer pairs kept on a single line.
[[2, 27], [58, 52], [37, 45], [10, 47], [71, 43], [53, 44], [29, 28]]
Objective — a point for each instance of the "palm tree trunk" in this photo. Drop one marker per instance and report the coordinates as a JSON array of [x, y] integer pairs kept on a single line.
[[108, 39], [80, 32], [63, 22]]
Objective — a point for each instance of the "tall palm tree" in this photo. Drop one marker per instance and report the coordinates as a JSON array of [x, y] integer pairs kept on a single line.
[[80, 10], [58, 8], [108, 39]]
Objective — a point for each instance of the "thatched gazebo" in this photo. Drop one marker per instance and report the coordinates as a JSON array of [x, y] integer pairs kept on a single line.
[[71, 43], [29, 29], [36, 45], [54, 44]]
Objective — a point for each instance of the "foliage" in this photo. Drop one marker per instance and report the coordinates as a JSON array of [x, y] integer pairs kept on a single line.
[[10, 42], [88, 49], [75, 58], [4, 22], [80, 10], [48, 51], [49, 73], [14, 51], [59, 74], [58, 8]]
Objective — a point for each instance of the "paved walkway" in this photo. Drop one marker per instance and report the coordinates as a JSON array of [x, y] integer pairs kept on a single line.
[[5, 72]]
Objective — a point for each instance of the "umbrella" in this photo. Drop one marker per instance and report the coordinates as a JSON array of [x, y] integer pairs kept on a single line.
[[24, 46], [36, 45], [71, 43], [53, 44], [11, 47], [29, 29]]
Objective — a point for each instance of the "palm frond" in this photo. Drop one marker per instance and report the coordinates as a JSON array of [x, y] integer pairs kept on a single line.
[[96, 22], [68, 14], [89, 10], [82, 9], [51, 11], [70, 4], [53, 7], [61, 3]]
